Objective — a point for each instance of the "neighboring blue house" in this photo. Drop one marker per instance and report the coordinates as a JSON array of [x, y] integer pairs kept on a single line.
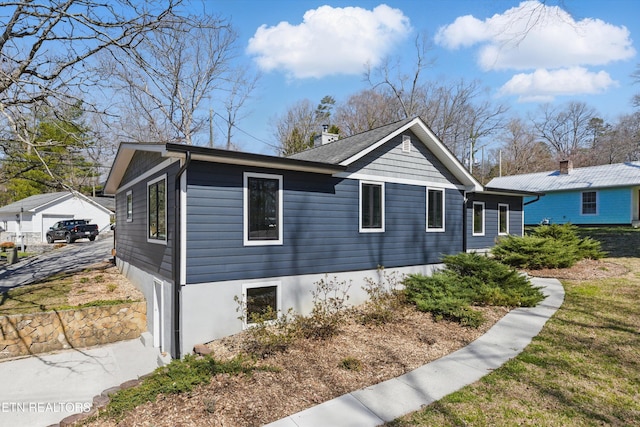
[[596, 195], [223, 224]]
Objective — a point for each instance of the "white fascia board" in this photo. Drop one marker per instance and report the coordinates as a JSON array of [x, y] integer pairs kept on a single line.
[[122, 160]]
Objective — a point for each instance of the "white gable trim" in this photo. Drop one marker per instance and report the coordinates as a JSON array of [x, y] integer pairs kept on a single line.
[[147, 174], [426, 137], [396, 180]]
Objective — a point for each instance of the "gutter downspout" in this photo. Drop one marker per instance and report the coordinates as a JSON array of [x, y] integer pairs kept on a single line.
[[176, 257], [531, 201], [464, 222]]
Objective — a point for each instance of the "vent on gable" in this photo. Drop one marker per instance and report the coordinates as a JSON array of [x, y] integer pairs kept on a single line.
[[406, 143]]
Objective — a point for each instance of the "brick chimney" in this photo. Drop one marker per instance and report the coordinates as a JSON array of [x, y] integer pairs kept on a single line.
[[566, 166]]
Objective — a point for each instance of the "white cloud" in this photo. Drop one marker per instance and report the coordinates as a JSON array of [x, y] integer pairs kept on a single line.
[[543, 85], [534, 35], [329, 41]]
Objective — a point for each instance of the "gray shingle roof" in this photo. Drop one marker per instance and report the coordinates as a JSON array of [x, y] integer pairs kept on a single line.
[[32, 202], [342, 149], [616, 175]]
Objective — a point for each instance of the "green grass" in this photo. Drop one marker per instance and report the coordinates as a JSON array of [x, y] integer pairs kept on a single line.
[[180, 376], [47, 295], [583, 369]]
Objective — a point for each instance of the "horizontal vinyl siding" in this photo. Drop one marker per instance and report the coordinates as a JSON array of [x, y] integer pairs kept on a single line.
[[131, 237], [614, 206], [491, 219], [320, 220], [418, 164]]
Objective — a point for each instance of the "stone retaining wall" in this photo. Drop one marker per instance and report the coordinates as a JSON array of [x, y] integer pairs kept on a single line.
[[25, 334]]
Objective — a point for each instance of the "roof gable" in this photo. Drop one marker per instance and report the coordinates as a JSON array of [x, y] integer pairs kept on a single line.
[[603, 176], [349, 150], [41, 201]]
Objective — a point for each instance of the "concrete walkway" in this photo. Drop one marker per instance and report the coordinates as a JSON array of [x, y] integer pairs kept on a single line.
[[42, 390], [391, 399]]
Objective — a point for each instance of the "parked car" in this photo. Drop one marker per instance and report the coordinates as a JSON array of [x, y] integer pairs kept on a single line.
[[71, 230]]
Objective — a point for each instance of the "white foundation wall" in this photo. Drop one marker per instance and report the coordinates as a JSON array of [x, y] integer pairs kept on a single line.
[[209, 309]]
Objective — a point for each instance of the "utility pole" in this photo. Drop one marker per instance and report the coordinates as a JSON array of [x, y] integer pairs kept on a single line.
[[211, 127]]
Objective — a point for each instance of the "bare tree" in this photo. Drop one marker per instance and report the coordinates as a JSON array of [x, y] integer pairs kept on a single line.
[[296, 128], [242, 85], [462, 116], [405, 88], [565, 129], [176, 68], [521, 152], [365, 110], [46, 53]]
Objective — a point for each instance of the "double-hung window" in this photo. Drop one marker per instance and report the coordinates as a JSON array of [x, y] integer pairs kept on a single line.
[[503, 219], [157, 210], [262, 209], [589, 203], [435, 209], [371, 207], [478, 218]]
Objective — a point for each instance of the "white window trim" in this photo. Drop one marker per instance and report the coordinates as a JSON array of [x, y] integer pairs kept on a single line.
[[246, 286], [129, 194], [166, 202], [441, 229], [473, 231], [506, 206], [245, 209], [382, 202], [582, 203]]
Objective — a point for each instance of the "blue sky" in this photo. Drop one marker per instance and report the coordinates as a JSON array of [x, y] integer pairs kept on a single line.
[[578, 50]]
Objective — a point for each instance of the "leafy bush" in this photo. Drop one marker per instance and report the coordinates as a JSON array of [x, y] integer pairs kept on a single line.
[[553, 246], [329, 308], [385, 298], [469, 279], [268, 332]]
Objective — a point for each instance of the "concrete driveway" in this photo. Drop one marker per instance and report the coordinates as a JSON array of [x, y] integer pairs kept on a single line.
[[73, 257]]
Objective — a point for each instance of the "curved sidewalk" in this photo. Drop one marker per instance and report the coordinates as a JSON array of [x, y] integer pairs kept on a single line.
[[391, 399]]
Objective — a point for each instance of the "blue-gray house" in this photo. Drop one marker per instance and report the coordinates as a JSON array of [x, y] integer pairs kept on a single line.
[[199, 226], [596, 195]]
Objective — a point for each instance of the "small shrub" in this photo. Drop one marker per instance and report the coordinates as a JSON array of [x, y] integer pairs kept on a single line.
[[268, 332], [329, 308], [351, 364], [84, 280], [99, 278], [469, 279], [385, 298], [6, 245], [111, 287], [553, 246]]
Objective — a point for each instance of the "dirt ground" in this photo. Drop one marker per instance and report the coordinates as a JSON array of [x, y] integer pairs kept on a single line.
[[101, 281], [310, 371]]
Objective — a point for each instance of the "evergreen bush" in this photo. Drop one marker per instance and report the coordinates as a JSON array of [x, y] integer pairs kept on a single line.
[[470, 279], [552, 246]]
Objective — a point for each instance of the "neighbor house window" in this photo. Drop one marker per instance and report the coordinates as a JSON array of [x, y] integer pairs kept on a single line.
[[263, 209], [503, 219], [478, 218], [371, 207], [157, 209], [262, 301], [435, 209], [129, 206], [589, 203]]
